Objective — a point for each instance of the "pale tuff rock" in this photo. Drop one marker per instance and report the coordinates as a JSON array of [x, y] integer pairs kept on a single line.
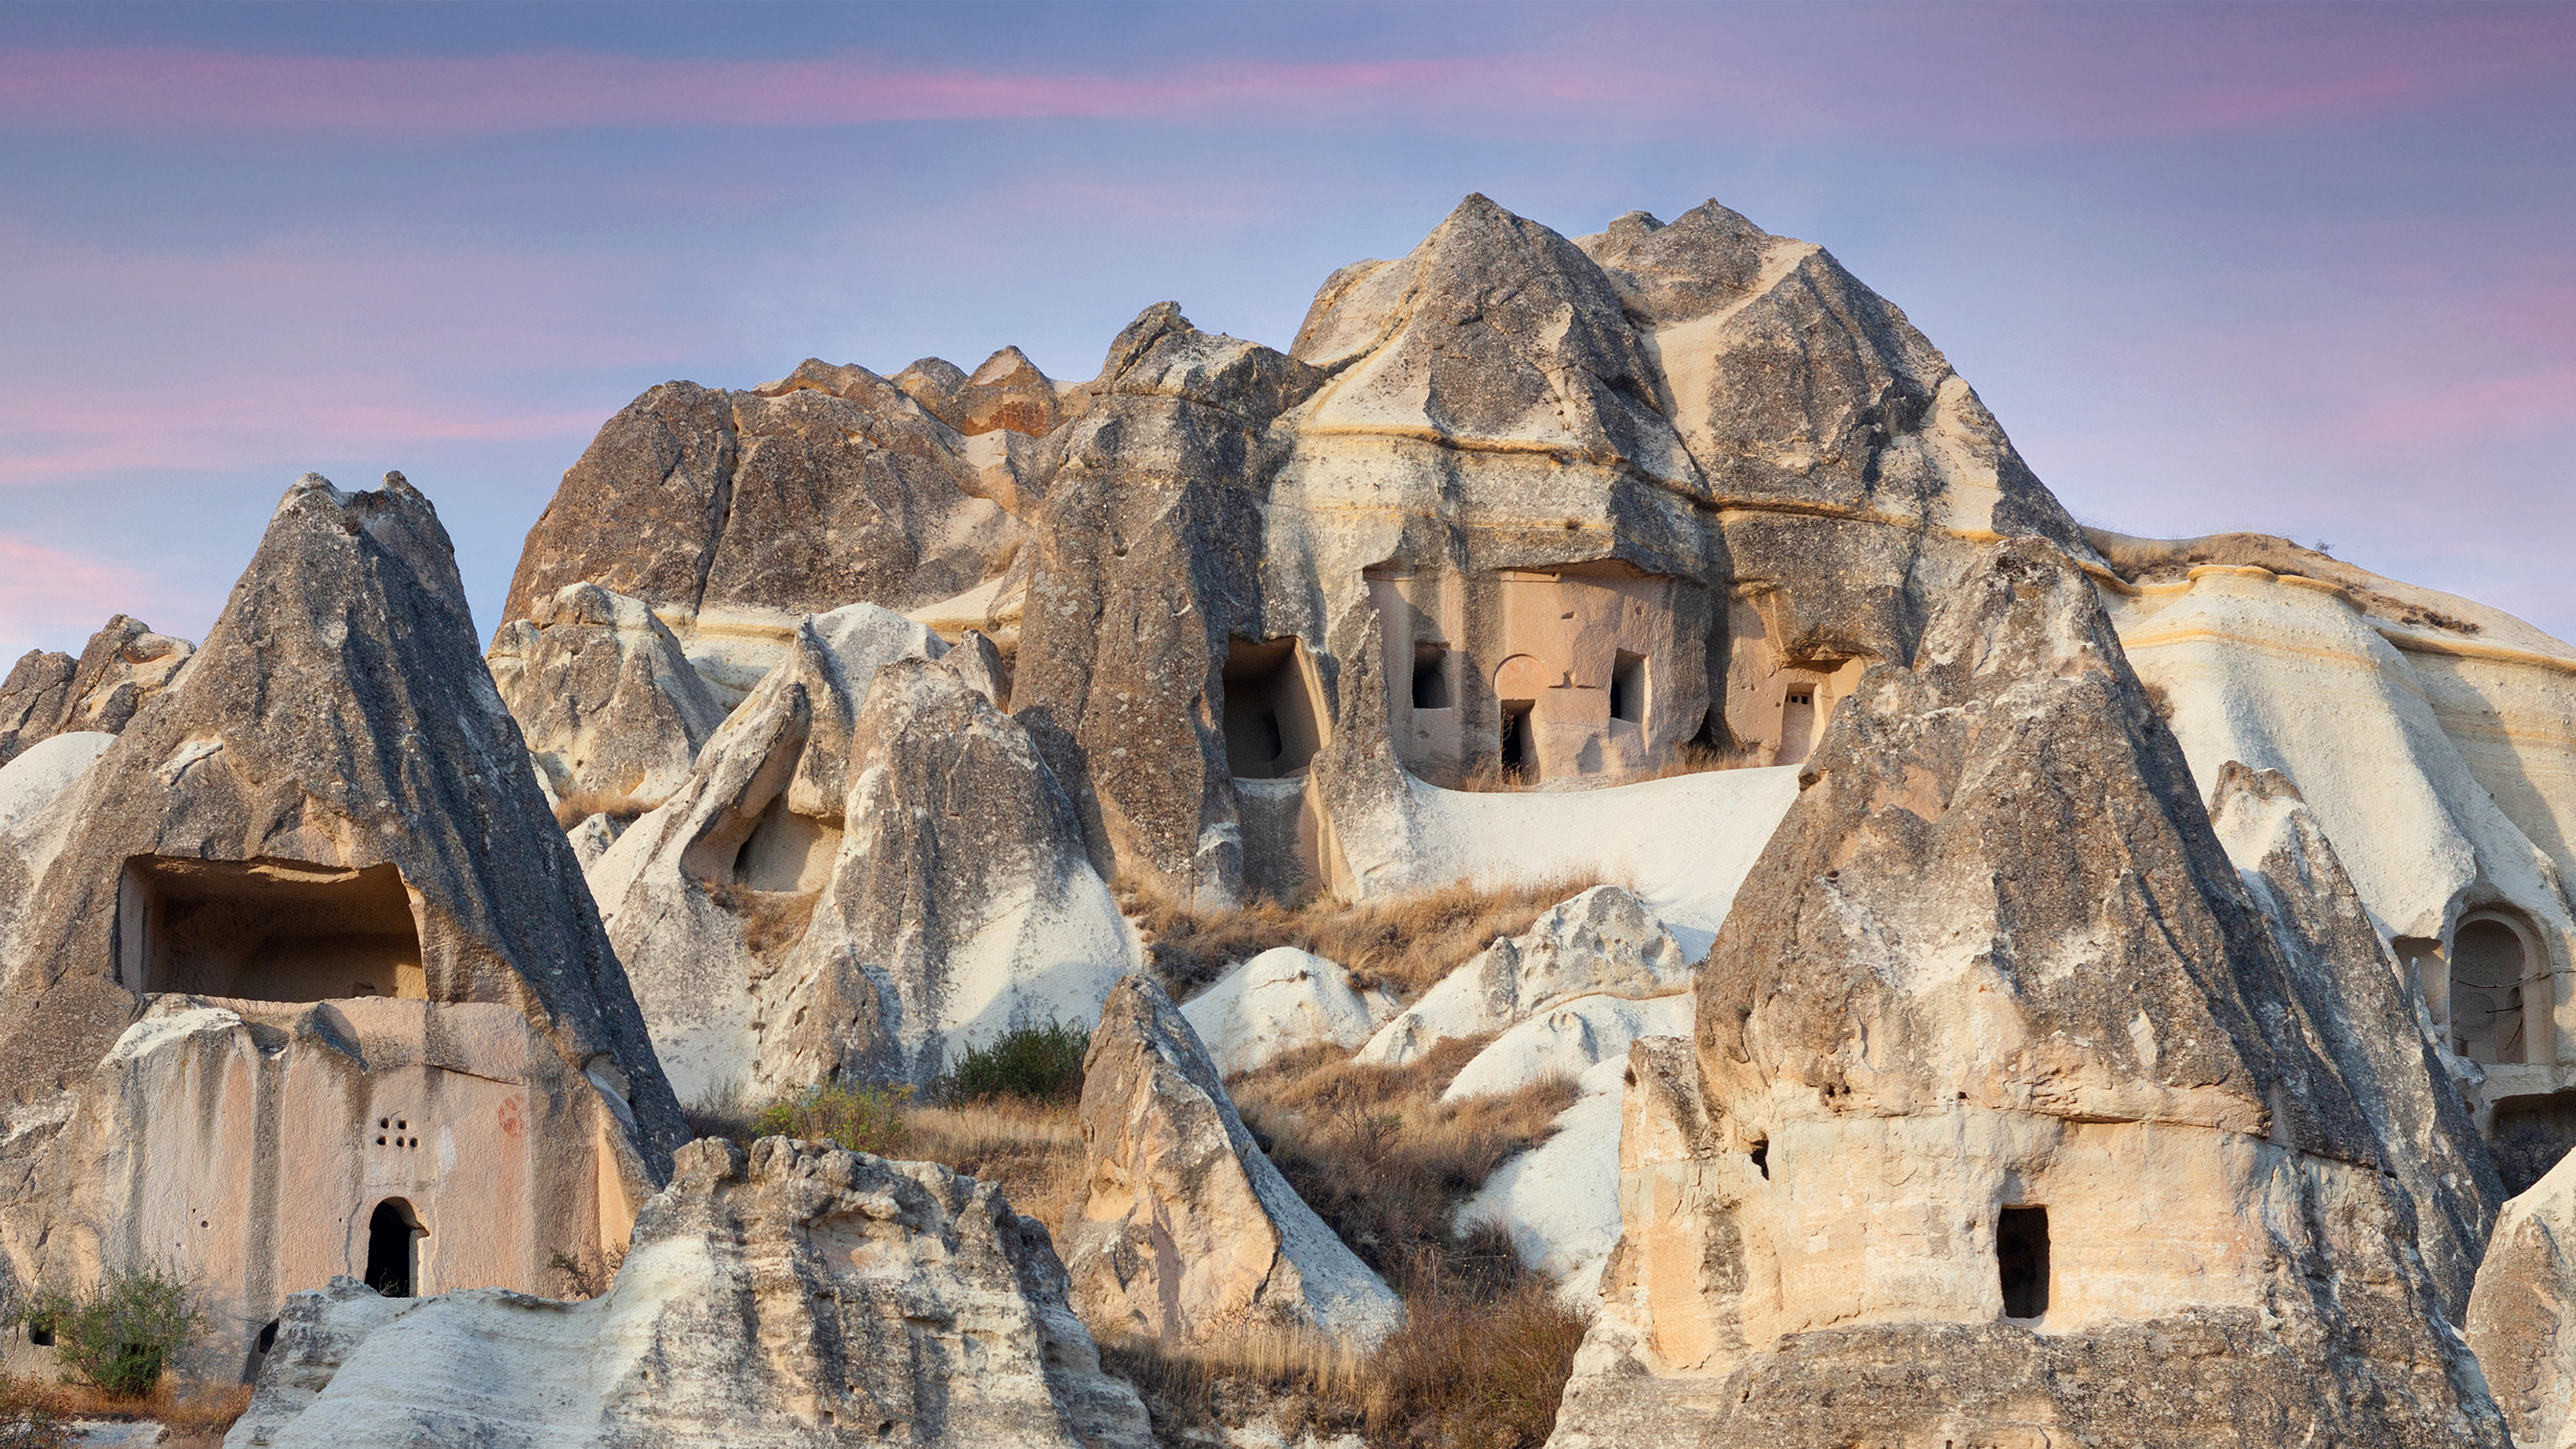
[[1146, 566], [2358, 995], [1603, 941], [1279, 1001], [1567, 1039], [829, 487], [33, 820], [608, 702], [868, 870], [330, 802], [1559, 1201], [1188, 1231], [800, 1298], [255, 1139], [121, 667], [1994, 962], [2519, 1319]]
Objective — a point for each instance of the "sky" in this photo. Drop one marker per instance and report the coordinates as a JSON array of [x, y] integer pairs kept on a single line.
[[2306, 270]]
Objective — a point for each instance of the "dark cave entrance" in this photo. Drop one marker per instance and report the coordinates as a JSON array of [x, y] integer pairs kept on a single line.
[[1272, 721], [266, 930], [393, 1249], [2021, 1254]]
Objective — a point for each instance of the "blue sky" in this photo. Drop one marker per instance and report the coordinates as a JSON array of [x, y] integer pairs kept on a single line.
[[2306, 270]]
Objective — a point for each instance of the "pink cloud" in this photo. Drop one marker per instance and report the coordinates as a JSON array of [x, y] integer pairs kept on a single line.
[[53, 598], [2013, 74]]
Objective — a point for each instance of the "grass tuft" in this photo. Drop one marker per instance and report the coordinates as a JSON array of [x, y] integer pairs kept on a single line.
[[1400, 944], [1033, 1063], [857, 1119]]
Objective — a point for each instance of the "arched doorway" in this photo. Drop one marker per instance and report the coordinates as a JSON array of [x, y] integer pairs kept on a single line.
[[393, 1249], [2491, 956]]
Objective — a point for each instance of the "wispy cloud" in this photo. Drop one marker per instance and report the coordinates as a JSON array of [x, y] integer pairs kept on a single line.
[[2098, 73], [52, 597]]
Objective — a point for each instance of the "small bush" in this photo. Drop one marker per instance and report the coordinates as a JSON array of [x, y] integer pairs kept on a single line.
[[120, 1337], [861, 1119], [1039, 1063]]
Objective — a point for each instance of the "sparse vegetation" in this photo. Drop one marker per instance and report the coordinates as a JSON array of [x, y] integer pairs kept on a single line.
[[28, 1419], [1031, 1150], [856, 1118], [772, 921], [580, 805], [1034, 1063], [1400, 943], [119, 1337], [1486, 1347], [40, 1415]]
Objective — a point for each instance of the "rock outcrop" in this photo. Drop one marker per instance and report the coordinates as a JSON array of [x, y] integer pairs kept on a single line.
[[1006, 392], [2134, 1161], [122, 666], [797, 1298], [826, 488], [608, 702], [330, 803], [1604, 942], [869, 868], [1279, 1001], [1187, 1231], [2522, 1318], [1147, 568]]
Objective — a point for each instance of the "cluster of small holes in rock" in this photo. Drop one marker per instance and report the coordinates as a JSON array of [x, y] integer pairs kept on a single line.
[[390, 1130]]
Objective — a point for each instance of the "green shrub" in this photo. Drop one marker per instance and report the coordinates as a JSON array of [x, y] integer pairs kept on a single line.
[[1040, 1063], [861, 1119], [121, 1336]]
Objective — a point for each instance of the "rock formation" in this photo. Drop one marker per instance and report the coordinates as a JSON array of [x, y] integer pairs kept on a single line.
[[330, 803], [1602, 942], [122, 666], [1007, 392], [1187, 1231], [868, 868], [798, 1298], [1280, 1001], [611, 708], [2522, 1318], [2134, 1164]]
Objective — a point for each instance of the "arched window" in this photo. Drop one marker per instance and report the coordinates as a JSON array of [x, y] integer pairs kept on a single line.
[[393, 1249], [2491, 955]]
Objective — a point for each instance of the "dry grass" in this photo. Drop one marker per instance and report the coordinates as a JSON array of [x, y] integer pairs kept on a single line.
[[580, 805], [1380, 1157], [197, 1414], [1401, 944], [1031, 1150], [772, 921]]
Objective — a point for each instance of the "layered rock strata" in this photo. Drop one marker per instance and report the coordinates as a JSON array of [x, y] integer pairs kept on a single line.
[[2144, 1160], [794, 1298], [1186, 1231]]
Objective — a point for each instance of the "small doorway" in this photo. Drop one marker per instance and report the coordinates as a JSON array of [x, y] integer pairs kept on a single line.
[[2488, 963], [1520, 747], [393, 1249], [1797, 723], [2021, 1255]]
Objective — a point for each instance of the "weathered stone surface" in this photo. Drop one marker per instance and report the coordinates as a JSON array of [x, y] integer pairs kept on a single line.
[[2520, 1320], [122, 666], [1147, 564], [253, 1140], [827, 488], [1279, 1001], [1006, 392], [330, 802], [1187, 1230], [608, 702], [803, 1296], [1603, 941], [1996, 958], [869, 868]]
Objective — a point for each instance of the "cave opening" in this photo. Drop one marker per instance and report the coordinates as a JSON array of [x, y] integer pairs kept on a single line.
[[1273, 724], [2021, 1256], [393, 1249], [1519, 745], [266, 930], [1628, 687]]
